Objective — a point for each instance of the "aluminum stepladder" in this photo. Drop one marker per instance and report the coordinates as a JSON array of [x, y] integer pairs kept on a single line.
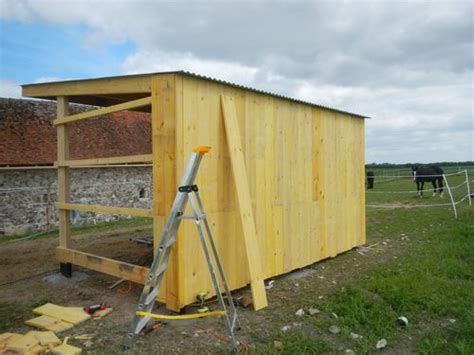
[[187, 191]]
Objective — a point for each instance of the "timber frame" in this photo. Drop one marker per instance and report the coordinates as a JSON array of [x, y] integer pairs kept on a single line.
[[275, 205], [161, 102], [65, 252]]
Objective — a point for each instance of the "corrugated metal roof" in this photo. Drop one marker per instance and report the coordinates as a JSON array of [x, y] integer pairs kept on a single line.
[[266, 93], [202, 77]]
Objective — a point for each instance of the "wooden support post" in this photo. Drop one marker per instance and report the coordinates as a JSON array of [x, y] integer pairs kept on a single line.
[[254, 258], [163, 124], [63, 173]]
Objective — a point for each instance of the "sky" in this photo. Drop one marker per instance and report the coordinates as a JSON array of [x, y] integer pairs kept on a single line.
[[406, 64]]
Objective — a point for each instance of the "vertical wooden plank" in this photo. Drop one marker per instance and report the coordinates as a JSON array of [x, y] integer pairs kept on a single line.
[[272, 248], [308, 186], [163, 126], [320, 140], [245, 206], [180, 162], [64, 189]]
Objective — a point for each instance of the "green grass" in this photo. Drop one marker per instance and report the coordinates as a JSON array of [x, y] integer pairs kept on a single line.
[[297, 343], [430, 285], [13, 315], [430, 282], [138, 222]]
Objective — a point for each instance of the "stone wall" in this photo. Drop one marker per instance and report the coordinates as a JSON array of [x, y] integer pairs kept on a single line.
[[28, 195]]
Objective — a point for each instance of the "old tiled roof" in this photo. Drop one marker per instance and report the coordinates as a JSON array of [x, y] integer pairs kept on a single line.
[[27, 136]]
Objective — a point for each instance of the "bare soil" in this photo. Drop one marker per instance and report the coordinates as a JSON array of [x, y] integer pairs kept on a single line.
[[30, 274]]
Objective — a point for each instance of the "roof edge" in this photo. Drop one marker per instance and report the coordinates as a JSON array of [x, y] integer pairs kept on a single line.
[[202, 77]]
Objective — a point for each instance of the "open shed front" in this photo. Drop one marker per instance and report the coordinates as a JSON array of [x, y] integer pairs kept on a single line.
[[302, 171]]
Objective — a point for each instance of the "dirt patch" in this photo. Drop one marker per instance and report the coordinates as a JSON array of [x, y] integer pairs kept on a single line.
[[30, 273]]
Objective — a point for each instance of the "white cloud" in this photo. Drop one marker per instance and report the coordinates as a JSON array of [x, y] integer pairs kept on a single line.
[[48, 79], [9, 88], [409, 65], [157, 61]]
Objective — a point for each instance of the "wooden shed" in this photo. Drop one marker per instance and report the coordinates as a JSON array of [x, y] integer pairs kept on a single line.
[[296, 195]]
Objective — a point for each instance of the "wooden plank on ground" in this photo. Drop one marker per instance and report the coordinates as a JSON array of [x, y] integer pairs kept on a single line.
[[103, 111], [23, 344], [49, 323], [108, 266], [254, 258], [139, 212], [67, 314]]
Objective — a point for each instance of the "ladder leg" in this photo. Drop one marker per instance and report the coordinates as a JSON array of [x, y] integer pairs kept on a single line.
[[210, 238], [157, 270], [215, 281]]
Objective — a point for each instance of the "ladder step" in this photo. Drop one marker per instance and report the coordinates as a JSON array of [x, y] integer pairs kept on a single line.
[[161, 269], [152, 295], [189, 216]]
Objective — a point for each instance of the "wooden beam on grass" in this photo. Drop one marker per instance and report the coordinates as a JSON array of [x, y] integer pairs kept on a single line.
[[254, 257], [103, 111]]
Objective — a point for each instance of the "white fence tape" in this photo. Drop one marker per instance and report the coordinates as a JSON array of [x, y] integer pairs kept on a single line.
[[413, 191], [417, 206]]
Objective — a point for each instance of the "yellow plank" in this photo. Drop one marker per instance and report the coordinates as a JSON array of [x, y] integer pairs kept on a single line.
[[49, 323], [139, 212], [60, 327], [8, 338], [23, 344], [108, 266], [240, 178], [319, 176], [101, 86], [42, 322], [268, 166], [143, 158], [103, 111], [163, 126], [47, 338], [66, 314], [66, 349], [64, 190]]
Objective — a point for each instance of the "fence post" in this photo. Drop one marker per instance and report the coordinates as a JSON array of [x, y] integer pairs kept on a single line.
[[468, 187], [451, 196]]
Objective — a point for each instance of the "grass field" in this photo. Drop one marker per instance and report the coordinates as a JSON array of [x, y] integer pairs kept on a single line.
[[430, 280], [420, 265], [402, 190]]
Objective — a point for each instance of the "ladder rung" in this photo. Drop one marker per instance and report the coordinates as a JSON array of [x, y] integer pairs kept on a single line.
[[152, 295], [189, 216], [161, 268]]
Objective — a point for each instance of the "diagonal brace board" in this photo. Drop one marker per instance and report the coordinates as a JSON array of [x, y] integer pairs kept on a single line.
[[103, 111], [245, 207]]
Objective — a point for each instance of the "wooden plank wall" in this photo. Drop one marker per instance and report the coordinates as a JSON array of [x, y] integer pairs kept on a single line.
[[306, 178]]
